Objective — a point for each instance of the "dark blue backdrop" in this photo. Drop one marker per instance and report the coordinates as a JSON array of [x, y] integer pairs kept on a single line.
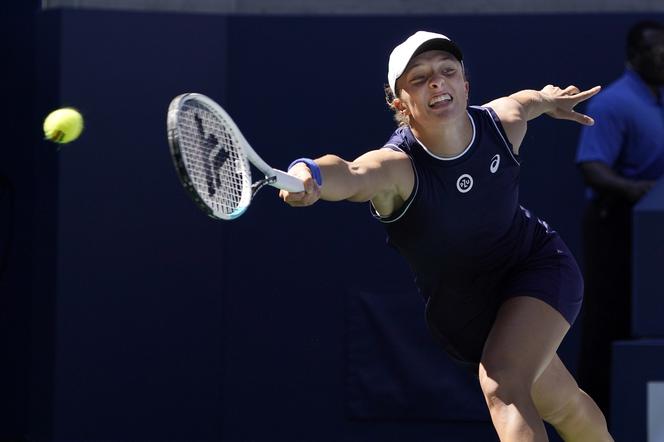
[[151, 321]]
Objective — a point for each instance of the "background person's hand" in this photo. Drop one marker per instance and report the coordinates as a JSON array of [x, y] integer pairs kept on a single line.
[[638, 189]]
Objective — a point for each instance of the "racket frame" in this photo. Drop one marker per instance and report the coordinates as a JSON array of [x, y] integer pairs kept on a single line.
[[273, 177]]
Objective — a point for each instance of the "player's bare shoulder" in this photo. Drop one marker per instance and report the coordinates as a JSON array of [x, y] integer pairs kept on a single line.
[[513, 119]]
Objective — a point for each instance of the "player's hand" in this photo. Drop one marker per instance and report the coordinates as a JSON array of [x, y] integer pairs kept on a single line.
[[311, 192], [564, 101]]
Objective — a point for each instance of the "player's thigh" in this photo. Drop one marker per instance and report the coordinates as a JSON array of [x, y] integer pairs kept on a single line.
[[524, 338]]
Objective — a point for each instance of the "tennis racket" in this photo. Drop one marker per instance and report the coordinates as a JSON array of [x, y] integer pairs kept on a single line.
[[212, 158]]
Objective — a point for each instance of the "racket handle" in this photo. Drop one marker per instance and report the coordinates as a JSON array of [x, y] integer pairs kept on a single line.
[[287, 182]]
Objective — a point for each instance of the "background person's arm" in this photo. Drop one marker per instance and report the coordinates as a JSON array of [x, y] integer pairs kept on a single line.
[[605, 181]]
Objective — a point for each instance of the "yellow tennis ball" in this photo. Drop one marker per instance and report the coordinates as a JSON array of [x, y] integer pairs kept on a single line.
[[63, 125]]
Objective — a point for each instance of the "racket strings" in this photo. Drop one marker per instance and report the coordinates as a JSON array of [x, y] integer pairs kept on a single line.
[[214, 159]]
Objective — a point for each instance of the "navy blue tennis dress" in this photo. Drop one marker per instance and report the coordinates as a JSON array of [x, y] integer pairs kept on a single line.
[[469, 242]]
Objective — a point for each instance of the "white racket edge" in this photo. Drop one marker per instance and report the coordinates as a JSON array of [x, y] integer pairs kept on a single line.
[[282, 180]]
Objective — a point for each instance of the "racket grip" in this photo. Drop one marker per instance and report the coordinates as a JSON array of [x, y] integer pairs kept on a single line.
[[287, 182]]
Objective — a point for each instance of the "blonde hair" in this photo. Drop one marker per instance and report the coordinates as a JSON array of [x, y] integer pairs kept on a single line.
[[399, 118]]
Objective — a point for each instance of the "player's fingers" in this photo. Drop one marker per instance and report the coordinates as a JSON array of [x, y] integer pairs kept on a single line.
[[290, 197], [582, 96], [578, 117], [309, 185], [571, 90], [586, 120], [311, 192], [307, 200], [310, 195], [285, 195]]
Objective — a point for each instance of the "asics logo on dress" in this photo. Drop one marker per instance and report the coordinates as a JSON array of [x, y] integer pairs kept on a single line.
[[464, 183], [495, 162]]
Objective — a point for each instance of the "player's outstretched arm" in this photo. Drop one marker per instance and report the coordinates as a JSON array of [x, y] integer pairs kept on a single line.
[[383, 176], [517, 109], [555, 102]]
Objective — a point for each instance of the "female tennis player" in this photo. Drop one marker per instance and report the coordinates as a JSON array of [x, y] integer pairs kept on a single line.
[[502, 287]]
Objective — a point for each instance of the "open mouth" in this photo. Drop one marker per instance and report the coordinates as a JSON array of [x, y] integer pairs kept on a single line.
[[440, 98]]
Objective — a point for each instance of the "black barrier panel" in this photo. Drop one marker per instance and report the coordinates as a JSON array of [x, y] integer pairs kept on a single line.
[[648, 264]]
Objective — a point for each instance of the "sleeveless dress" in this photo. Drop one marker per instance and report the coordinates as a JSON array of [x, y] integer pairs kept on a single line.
[[469, 242]]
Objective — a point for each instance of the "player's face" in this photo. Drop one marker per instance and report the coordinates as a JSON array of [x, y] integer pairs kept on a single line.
[[650, 60], [433, 87]]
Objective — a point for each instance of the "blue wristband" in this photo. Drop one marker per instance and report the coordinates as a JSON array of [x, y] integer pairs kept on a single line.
[[313, 167]]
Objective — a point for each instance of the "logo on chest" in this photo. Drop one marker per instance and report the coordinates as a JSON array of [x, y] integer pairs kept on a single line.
[[495, 162], [464, 183]]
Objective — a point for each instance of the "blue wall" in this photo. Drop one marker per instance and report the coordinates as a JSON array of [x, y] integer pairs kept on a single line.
[[153, 321]]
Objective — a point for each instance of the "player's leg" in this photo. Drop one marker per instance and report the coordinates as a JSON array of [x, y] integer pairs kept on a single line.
[[522, 342], [560, 402]]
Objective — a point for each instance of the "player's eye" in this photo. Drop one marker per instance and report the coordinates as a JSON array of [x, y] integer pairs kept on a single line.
[[449, 71]]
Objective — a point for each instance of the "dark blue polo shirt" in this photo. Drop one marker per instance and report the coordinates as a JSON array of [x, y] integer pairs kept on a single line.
[[628, 134]]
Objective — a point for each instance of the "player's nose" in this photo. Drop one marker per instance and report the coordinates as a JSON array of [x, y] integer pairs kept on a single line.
[[436, 82]]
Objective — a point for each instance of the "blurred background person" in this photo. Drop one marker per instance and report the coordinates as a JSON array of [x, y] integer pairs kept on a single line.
[[621, 157]]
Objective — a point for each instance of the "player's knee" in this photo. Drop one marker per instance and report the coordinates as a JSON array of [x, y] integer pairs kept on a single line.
[[560, 411], [578, 419], [503, 387]]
